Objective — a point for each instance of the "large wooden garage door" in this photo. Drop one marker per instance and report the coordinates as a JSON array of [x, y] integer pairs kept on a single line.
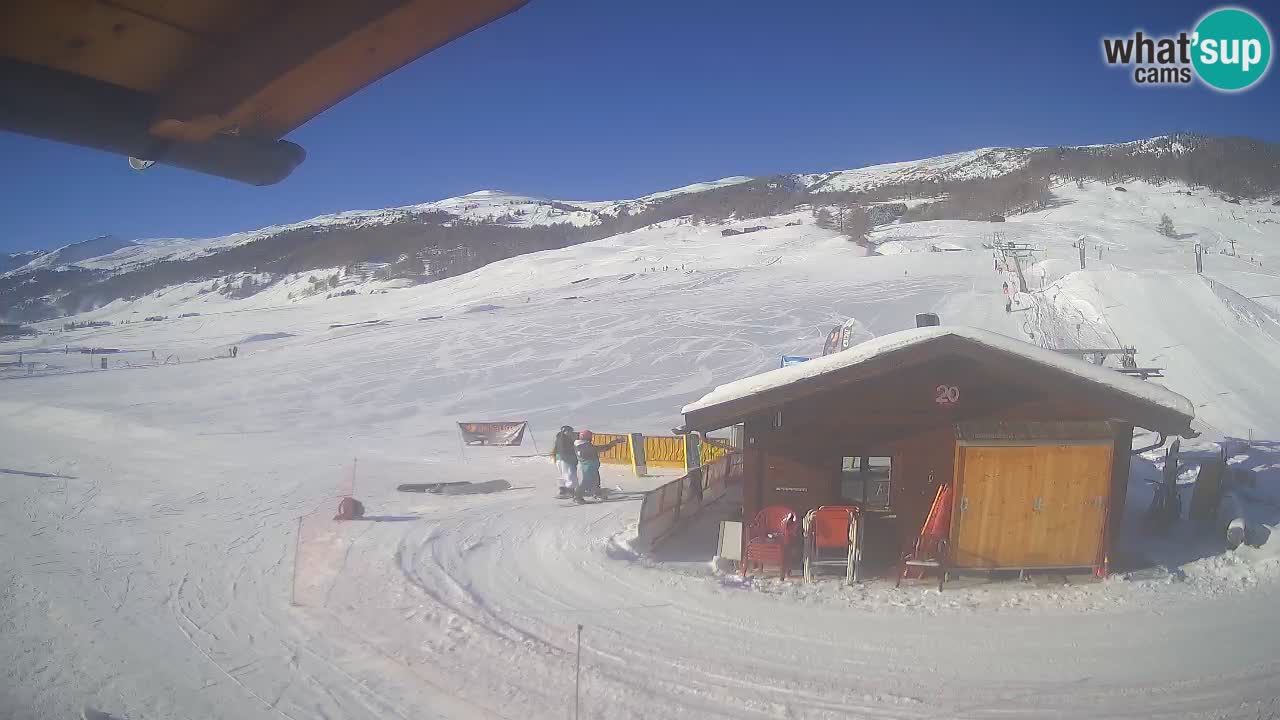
[[1030, 507]]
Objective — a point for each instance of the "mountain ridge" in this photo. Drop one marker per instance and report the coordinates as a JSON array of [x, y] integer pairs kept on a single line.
[[441, 238], [492, 196]]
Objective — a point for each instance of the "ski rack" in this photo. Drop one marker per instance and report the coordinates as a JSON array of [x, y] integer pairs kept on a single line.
[[1127, 365]]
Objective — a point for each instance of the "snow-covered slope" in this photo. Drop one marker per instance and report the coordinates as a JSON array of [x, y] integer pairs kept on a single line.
[[525, 211], [490, 206], [493, 206], [75, 253], [151, 510], [983, 163]]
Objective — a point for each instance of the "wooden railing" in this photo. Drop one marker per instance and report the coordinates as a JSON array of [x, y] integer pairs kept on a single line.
[[668, 507]]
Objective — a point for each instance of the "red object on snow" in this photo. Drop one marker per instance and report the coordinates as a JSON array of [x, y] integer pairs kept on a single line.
[[770, 537], [349, 508]]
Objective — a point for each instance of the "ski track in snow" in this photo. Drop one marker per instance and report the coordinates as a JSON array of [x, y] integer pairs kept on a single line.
[[150, 514]]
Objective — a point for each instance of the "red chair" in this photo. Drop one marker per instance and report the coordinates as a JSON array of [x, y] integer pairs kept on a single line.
[[831, 535], [770, 538]]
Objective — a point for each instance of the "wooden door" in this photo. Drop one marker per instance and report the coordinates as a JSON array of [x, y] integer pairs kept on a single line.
[[1030, 506]]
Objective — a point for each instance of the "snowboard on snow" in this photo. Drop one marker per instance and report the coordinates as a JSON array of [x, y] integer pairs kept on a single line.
[[91, 714]]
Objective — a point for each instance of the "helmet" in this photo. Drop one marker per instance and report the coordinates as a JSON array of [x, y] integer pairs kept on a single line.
[[584, 435], [566, 429]]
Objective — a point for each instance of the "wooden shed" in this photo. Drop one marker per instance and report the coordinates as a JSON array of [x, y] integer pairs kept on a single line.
[[1036, 444]]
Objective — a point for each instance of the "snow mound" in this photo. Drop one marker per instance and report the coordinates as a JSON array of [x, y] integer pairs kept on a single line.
[[476, 488], [262, 337]]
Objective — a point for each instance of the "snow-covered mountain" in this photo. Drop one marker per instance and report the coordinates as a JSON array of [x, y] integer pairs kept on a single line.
[[433, 240], [85, 250], [483, 206], [498, 207], [983, 163]]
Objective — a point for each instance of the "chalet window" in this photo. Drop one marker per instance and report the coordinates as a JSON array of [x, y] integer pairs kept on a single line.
[[865, 481]]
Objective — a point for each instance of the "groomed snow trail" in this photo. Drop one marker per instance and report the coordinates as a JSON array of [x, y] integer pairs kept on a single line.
[[150, 513], [465, 606]]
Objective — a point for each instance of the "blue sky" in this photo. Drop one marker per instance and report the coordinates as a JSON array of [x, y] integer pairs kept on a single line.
[[595, 100]]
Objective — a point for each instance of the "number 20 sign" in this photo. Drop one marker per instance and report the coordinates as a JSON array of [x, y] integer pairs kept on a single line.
[[946, 395]]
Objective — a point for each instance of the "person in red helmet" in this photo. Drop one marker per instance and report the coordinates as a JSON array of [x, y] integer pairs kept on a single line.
[[589, 464]]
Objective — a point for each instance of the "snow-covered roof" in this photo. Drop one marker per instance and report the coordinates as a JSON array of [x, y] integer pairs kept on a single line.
[[1135, 389]]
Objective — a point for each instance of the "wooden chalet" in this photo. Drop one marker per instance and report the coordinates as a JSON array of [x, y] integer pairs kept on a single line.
[[1036, 443]]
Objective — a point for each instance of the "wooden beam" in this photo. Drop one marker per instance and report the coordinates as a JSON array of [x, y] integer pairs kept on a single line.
[[215, 21], [97, 40], [204, 100], [308, 56]]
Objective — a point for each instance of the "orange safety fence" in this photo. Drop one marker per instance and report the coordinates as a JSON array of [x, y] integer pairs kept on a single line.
[[664, 451], [713, 449], [619, 454], [661, 451]]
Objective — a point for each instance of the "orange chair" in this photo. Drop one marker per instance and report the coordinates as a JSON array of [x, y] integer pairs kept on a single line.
[[831, 538], [770, 537]]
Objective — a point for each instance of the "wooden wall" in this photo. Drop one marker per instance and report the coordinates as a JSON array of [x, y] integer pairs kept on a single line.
[[794, 460]]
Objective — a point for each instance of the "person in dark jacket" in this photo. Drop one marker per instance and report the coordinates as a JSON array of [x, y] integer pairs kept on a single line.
[[566, 459], [589, 464]]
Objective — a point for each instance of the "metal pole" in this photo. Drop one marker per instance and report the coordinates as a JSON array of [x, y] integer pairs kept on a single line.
[[532, 438], [297, 547], [577, 674]]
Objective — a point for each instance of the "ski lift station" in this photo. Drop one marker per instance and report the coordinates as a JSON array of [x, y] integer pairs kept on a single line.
[[949, 448]]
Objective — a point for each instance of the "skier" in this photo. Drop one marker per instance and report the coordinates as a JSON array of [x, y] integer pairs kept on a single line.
[[1008, 301], [566, 459], [589, 462]]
